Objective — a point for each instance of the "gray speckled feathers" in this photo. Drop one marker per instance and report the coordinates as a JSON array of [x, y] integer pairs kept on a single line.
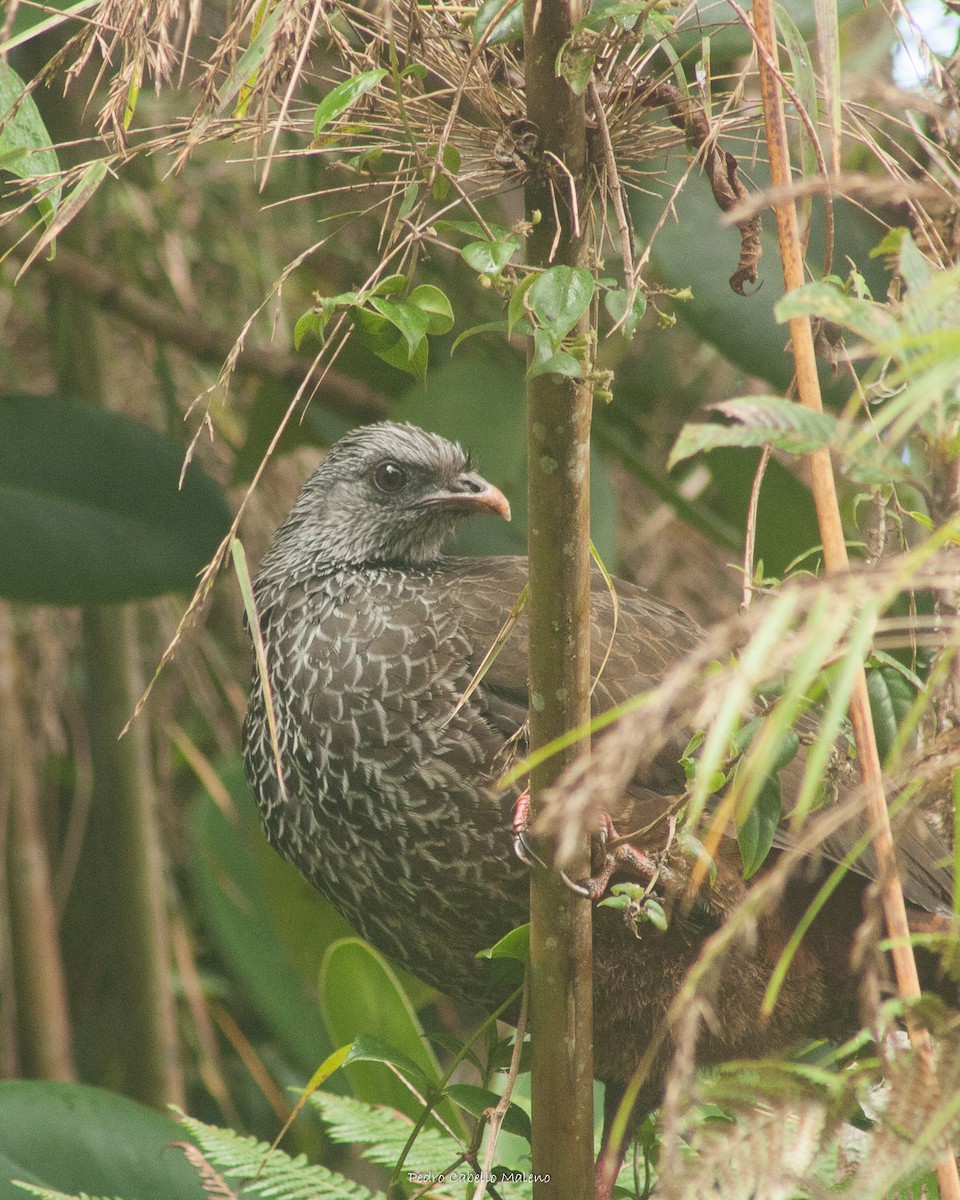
[[390, 805]]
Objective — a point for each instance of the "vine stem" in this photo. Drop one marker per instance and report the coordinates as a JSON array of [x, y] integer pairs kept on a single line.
[[835, 559]]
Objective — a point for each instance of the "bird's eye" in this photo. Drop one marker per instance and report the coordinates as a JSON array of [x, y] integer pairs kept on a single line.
[[389, 477]]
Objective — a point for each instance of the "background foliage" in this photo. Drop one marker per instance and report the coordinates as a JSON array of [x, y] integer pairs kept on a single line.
[[289, 181]]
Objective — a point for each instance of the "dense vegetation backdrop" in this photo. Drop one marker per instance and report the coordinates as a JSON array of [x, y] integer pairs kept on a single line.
[[229, 233]]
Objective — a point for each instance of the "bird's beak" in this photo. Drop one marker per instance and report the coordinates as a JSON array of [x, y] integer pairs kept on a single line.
[[471, 493]]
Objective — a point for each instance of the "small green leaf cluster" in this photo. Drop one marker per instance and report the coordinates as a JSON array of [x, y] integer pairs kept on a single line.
[[555, 300], [395, 329], [490, 248], [913, 431], [757, 817], [577, 57], [636, 900]]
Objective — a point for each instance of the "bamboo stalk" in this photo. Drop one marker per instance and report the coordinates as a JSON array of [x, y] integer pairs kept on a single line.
[[558, 413], [835, 558], [42, 1012]]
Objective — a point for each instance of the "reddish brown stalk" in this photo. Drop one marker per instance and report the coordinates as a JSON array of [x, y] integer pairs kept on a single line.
[[835, 558]]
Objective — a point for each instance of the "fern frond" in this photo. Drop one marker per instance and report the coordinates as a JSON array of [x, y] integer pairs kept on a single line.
[[275, 1175], [44, 1193], [383, 1132]]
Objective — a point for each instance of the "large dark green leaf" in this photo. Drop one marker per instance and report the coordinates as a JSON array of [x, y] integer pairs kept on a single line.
[[364, 999], [90, 510], [73, 1138], [698, 252], [234, 909]]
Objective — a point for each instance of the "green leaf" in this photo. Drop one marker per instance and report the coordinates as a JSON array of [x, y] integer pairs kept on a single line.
[[311, 324], [73, 1138], [489, 258], [370, 1049], [91, 510], [387, 341], [410, 196], [516, 308], [343, 96], [625, 15], [912, 265], [805, 86], [414, 364], [390, 285], [559, 297], [486, 327], [232, 894], [625, 306], [515, 944], [26, 149], [891, 698], [472, 229], [249, 62], [694, 849], [653, 911], [575, 64], [365, 1004], [432, 301], [477, 1100], [866, 319], [442, 183], [758, 420], [412, 322], [76, 199], [756, 830], [547, 361], [508, 29]]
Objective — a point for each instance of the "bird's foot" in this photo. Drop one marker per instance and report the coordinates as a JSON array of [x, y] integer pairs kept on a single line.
[[619, 858], [522, 847]]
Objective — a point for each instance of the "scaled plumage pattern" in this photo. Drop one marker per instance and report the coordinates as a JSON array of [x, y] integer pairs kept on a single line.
[[389, 805]]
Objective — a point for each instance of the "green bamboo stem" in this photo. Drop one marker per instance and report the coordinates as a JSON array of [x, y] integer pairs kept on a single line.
[[558, 411], [42, 1018], [126, 841]]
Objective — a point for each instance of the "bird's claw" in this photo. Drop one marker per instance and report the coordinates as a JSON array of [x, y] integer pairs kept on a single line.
[[623, 859], [582, 888], [521, 827]]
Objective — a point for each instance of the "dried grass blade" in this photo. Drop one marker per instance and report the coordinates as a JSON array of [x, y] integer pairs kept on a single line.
[[491, 655], [828, 52], [615, 603], [253, 620]]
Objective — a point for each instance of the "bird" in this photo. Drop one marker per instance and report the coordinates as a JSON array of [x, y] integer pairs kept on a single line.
[[381, 783]]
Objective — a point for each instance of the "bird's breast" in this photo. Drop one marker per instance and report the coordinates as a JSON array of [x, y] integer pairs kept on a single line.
[[387, 803]]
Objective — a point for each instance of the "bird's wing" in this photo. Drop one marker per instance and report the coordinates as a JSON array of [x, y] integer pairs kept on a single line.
[[633, 644]]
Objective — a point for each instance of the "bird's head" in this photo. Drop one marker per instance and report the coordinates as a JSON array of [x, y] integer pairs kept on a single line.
[[388, 493]]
